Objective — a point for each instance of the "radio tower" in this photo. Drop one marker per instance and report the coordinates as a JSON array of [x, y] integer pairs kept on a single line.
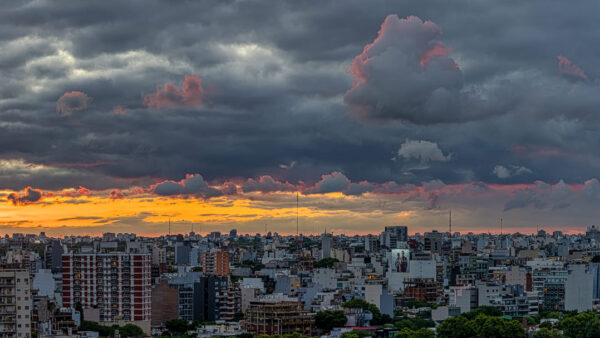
[[297, 214], [450, 222]]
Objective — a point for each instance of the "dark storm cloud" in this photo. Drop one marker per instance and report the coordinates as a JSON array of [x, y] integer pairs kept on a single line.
[[266, 184], [191, 185], [30, 196], [274, 76]]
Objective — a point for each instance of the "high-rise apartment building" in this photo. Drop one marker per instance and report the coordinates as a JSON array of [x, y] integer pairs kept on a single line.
[[215, 263], [400, 231], [15, 303], [326, 245], [118, 284]]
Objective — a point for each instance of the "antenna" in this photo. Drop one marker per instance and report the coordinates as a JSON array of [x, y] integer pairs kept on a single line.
[[450, 222], [501, 225], [169, 226], [297, 214]]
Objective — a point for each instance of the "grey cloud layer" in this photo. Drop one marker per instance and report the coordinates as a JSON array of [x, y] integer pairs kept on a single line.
[[274, 77]]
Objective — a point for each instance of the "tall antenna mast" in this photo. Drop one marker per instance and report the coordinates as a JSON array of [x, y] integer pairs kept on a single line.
[[450, 222], [501, 225], [169, 226], [297, 214]]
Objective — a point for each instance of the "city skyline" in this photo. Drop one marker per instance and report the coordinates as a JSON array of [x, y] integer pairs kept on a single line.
[[116, 117]]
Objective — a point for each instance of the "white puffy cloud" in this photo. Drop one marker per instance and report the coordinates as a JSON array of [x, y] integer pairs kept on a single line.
[[423, 151], [513, 170]]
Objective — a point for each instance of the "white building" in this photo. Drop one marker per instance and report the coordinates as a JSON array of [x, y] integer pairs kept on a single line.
[[578, 289]]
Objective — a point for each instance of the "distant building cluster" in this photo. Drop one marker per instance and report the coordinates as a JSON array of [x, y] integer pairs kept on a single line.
[[268, 284]]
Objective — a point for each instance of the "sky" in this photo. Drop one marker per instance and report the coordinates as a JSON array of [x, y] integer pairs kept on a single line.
[[343, 116]]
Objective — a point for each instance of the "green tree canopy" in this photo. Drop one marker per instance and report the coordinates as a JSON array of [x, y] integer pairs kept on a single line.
[[420, 333], [583, 325], [327, 320], [130, 330], [177, 326], [548, 333], [480, 326], [326, 262], [483, 310], [413, 323], [455, 327]]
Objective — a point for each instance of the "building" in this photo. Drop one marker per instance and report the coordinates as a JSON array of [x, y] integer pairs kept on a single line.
[[593, 232], [182, 253], [276, 316], [594, 270], [433, 242], [421, 289], [401, 232], [15, 303], [215, 263], [210, 298], [165, 300], [54, 256], [326, 245], [579, 289], [117, 284]]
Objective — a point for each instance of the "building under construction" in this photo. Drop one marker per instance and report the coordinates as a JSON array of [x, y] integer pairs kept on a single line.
[[421, 289], [276, 317]]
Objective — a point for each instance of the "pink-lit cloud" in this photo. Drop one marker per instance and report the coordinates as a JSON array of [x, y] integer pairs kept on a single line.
[[437, 49], [566, 67], [30, 196], [119, 110], [84, 191], [72, 101], [406, 74], [117, 194], [190, 94]]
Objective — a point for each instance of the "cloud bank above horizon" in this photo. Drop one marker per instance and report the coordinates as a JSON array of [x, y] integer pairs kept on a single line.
[[410, 108]]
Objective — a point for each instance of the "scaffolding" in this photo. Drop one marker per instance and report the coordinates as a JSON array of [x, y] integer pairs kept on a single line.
[[421, 289], [278, 318]]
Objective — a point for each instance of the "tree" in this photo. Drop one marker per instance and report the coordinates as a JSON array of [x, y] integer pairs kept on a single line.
[[130, 330], [548, 333], [177, 326], [327, 320], [483, 310], [586, 324], [420, 333], [326, 262], [356, 334], [455, 327], [496, 327], [414, 323]]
